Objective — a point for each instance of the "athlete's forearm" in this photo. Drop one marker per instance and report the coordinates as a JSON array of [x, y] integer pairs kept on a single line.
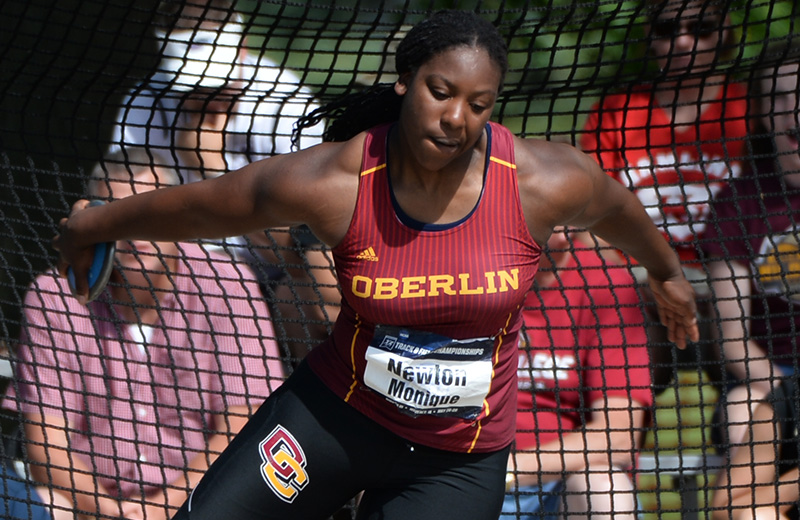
[[631, 230], [197, 210]]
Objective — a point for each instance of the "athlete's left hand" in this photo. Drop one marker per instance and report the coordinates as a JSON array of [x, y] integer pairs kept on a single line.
[[677, 309]]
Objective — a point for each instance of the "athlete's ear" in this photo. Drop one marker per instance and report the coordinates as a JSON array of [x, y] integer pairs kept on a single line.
[[401, 85]]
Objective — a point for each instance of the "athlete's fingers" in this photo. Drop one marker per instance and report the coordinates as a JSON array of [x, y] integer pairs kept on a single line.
[[78, 259], [677, 310]]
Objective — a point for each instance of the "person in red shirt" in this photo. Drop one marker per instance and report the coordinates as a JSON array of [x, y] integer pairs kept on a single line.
[[583, 389], [676, 142]]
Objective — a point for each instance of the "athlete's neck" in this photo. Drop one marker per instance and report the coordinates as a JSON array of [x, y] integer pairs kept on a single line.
[[436, 197]]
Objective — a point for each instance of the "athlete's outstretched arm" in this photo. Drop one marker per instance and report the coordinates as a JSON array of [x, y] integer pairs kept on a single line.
[[316, 187], [560, 185], [622, 221]]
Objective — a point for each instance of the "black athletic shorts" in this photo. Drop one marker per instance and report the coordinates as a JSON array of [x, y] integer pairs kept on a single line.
[[306, 453]]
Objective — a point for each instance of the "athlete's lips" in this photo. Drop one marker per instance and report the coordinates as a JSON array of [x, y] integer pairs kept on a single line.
[[445, 143]]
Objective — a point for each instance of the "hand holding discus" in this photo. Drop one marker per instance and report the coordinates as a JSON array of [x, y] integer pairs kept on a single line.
[[98, 273]]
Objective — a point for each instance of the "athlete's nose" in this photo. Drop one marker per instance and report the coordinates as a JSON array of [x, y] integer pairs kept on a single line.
[[453, 116]]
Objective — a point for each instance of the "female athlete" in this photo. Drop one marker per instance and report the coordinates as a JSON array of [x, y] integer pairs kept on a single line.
[[436, 217]]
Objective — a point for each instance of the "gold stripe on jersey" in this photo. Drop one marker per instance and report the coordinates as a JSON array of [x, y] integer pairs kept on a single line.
[[373, 170], [354, 385], [486, 410], [503, 163]]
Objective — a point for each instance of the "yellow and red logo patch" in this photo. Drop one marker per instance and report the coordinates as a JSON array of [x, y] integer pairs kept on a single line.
[[284, 464]]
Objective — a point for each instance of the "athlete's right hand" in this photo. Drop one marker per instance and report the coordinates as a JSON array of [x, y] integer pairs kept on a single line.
[[73, 252]]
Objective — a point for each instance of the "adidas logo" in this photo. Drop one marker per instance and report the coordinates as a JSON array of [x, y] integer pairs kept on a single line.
[[367, 254]]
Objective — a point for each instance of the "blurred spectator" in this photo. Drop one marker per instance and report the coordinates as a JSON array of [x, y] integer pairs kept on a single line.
[[584, 390], [753, 243], [761, 482], [207, 80], [213, 107], [127, 400], [679, 139]]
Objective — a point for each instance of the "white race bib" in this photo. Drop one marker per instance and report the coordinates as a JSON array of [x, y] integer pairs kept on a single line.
[[427, 374]]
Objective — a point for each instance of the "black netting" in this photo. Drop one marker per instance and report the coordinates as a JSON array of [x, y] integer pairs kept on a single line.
[[189, 338]]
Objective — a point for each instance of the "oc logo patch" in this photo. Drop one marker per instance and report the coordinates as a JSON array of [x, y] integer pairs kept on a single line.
[[283, 467]]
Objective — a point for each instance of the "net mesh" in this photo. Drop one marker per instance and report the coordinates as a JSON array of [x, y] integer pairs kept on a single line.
[[191, 338]]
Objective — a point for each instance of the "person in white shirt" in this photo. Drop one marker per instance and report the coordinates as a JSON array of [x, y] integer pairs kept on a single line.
[[211, 107], [207, 76]]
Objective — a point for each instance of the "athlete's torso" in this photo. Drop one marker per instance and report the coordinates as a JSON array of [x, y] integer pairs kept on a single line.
[[463, 280]]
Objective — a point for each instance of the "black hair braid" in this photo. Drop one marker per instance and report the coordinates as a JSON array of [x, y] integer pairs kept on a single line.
[[354, 113], [444, 30]]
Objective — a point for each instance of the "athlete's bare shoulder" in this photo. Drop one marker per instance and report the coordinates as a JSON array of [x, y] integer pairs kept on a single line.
[[537, 155], [329, 162], [556, 182], [316, 186]]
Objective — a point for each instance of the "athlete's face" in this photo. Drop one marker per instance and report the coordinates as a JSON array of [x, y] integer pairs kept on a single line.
[[780, 115], [686, 37], [448, 101], [140, 262]]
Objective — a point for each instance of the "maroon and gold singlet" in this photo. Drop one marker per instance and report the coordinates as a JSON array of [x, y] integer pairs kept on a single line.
[[425, 343]]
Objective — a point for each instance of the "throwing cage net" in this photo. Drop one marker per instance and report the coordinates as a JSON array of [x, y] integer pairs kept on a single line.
[[112, 404]]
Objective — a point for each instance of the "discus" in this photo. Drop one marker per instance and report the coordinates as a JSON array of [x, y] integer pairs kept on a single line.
[[102, 265]]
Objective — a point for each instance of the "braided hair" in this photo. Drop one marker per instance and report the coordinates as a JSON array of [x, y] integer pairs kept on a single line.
[[354, 113]]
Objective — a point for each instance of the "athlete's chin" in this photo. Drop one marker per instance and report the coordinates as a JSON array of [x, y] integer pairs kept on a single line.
[[441, 154]]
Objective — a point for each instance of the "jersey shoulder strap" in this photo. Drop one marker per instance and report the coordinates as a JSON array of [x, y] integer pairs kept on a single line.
[[374, 156], [502, 145]]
